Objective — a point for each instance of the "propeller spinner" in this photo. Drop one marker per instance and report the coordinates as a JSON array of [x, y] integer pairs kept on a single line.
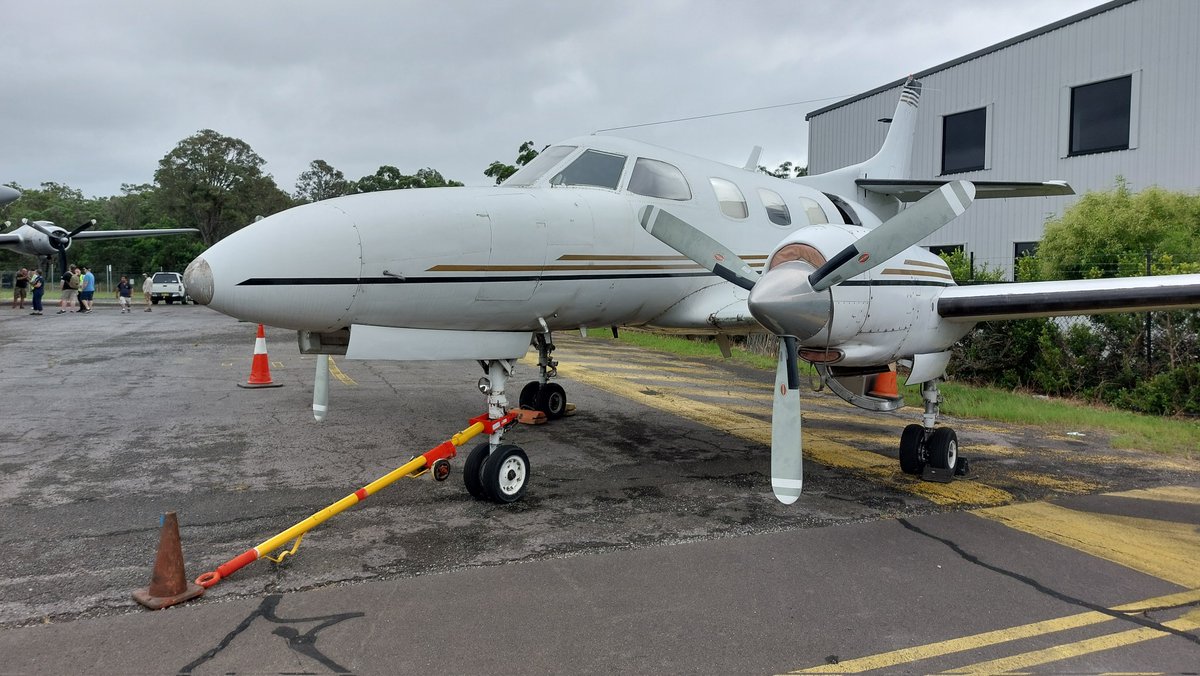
[[790, 300]]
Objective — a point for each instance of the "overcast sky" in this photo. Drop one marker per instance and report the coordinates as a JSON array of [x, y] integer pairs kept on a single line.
[[96, 93]]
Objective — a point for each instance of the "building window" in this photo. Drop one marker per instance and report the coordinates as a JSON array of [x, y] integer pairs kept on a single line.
[[1100, 116], [658, 179], [963, 141], [945, 249], [733, 203], [1021, 250], [777, 209]]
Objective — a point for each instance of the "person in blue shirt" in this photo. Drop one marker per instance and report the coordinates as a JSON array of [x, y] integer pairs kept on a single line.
[[86, 290]]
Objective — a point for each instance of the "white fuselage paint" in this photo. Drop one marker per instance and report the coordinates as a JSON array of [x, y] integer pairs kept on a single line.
[[503, 258]]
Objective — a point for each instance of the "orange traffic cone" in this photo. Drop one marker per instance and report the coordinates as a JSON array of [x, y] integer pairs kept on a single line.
[[168, 584], [260, 367], [884, 386]]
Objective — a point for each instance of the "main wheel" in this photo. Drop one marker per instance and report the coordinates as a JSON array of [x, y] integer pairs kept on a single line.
[[943, 448], [505, 474], [529, 395], [552, 400], [473, 471], [910, 449]]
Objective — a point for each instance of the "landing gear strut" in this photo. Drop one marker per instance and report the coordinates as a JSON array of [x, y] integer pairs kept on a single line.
[[541, 394], [925, 449], [496, 471]]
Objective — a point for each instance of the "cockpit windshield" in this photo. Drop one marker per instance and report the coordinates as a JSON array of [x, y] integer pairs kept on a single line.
[[594, 168], [545, 161]]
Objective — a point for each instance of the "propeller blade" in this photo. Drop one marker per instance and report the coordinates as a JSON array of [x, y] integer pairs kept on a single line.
[[704, 250], [787, 456], [896, 234], [62, 260], [82, 227], [39, 227]]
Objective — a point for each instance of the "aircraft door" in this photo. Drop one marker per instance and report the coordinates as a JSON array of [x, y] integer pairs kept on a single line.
[[518, 247]]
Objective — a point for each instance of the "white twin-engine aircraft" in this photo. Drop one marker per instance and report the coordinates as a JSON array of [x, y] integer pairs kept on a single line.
[[45, 239], [601, 231]]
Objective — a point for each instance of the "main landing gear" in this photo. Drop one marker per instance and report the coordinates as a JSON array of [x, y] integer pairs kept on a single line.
[[929, 451], [496, 471], [541, 394]]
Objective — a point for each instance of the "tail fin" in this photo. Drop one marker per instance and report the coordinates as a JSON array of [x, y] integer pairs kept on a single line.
[[894, 159]]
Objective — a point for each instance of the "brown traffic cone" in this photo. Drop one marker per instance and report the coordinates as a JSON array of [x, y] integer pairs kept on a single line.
[[260, 367], [884, 386], [168, 583]]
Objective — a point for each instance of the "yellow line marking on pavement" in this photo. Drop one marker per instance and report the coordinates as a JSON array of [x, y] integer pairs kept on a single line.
[[989, 638], [337, 373], [1184, 495], [1163, 549], [1057, 653], [817, 446], [1060, 484], [277, 364]]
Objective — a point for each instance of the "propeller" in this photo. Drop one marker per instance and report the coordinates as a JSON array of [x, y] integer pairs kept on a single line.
[[61, 240], [790, 299]]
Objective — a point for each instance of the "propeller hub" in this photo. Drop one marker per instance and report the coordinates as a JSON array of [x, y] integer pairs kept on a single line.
[[783, 300]]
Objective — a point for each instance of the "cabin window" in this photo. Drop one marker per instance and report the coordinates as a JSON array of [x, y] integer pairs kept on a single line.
[[1100, 116], [813, 210], [733, 204], [658, 179], [963, 141], [544, 162], [777, 209], [595, 168]]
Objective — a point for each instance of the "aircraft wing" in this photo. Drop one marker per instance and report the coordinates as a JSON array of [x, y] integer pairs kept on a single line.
[[113, 234], [912, 190], [1075, 297]]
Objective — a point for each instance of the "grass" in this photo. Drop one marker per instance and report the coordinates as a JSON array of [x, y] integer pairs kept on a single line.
[[1129, 430]]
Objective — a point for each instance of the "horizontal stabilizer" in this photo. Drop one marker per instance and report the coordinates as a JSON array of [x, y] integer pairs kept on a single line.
[[1024, 300], [907, 190]]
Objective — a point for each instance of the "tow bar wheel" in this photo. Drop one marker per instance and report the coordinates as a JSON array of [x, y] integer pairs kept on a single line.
[[505, 474]]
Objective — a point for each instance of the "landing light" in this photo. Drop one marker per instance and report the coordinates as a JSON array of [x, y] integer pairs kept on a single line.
[[485, 386]]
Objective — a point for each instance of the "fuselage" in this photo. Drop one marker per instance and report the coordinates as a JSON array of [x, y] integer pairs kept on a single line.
[[559, 243]]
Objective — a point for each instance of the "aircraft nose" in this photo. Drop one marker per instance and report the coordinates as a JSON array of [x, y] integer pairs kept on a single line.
[[784, 302], [198, 280], [8, 194]]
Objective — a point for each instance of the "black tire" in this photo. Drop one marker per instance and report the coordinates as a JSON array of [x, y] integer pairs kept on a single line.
[[154, 300], [552, 400], [911, 438], [943, 448], [506, 474], [473, 471], [529, 395]]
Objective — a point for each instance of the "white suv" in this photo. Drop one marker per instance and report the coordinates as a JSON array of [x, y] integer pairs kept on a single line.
[[168, 286]]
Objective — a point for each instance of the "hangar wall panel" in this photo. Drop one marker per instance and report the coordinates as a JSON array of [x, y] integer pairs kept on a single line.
[[1025, 87]]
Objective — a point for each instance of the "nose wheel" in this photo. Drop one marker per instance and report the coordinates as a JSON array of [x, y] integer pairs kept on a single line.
[[499, 476]]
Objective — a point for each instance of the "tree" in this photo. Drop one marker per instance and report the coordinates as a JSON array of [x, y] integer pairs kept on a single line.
[[785, 170], [500, 171], [215, 183], [321, 182], [388, 177]]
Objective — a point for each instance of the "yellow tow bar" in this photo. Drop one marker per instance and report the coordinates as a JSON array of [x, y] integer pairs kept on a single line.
[[437, 459]]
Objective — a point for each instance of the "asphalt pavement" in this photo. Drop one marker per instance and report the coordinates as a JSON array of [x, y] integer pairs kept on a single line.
[[648, 541]]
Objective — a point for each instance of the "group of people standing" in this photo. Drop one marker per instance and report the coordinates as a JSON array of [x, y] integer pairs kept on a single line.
[[78, 283]]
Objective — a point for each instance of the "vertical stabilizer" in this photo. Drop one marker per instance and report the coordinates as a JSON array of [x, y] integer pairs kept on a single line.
[[894, 159]]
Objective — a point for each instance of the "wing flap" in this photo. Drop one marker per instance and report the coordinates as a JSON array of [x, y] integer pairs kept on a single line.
[[912, 190], [1024, 300]]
